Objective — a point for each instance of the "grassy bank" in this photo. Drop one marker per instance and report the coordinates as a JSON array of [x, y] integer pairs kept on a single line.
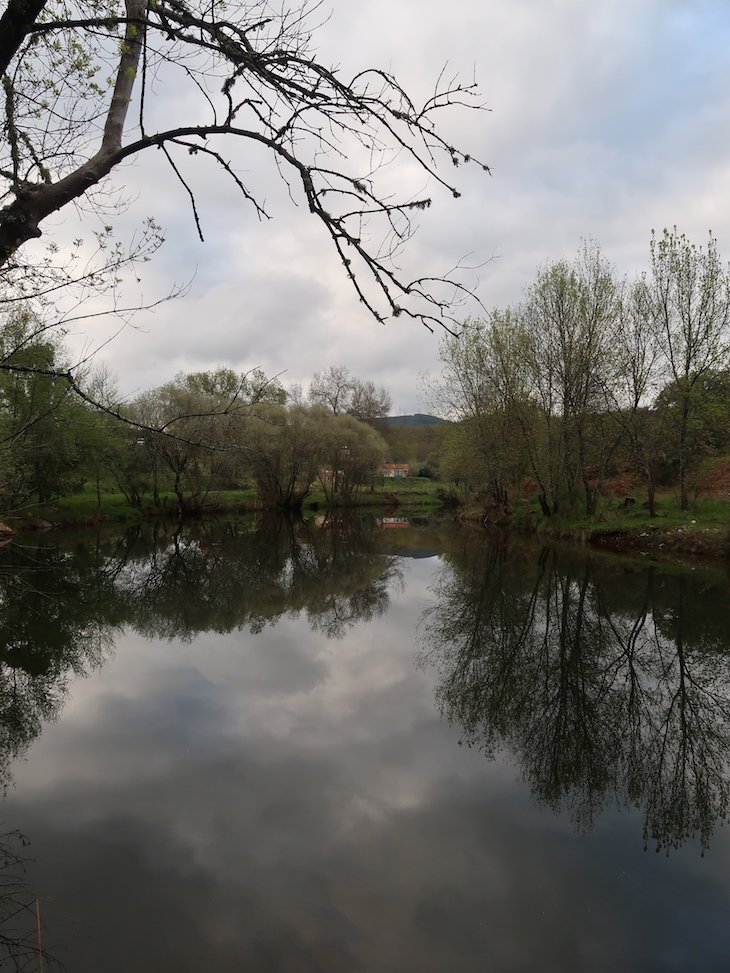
[[704, 529], [87, 507]]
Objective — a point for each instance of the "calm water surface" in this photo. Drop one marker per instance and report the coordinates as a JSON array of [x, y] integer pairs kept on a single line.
[[361, 747]]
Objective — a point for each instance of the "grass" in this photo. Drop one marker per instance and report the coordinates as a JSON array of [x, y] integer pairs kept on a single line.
[[81, 507], [385, 492], [611, 515], [84, 507], [703, 529]]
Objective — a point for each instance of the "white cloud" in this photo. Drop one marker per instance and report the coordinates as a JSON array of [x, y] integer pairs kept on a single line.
[[603, 122]]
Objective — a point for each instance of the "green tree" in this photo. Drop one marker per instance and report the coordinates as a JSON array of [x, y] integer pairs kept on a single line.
[[689, 288], [531, 385], [44, 429], [569, 317], [350, 452], [707, 427], [283, 453], [484, 449], [233, 390], [193, 440], [133, 466]]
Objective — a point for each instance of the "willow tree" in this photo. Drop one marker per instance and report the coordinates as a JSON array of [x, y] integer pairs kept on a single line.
[[85, 91]]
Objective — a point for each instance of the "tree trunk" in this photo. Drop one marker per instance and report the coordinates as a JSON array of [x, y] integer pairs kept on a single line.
[[683, 492], [544, 505], [650, 491], [15, 23], [591, 494]]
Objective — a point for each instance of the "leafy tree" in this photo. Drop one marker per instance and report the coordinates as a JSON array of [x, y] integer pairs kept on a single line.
[[44, 430], [569, 317], [715, 409], [133, 465], [530, 385], [350, 452], [689, 289], [231, 390], [707, 427], [420, 442], [484, 451], [192, 440], [103, 436], [283, 454]]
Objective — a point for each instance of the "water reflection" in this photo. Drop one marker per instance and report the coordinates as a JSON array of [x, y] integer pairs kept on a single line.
[[21, 938], [224, 578], [607, 684], [280, 801], [61, 606], [56, 619]]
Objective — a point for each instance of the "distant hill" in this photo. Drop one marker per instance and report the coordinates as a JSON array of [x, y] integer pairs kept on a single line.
[[418, 419]]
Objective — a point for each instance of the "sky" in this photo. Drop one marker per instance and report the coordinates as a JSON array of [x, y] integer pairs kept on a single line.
[[603, 122]]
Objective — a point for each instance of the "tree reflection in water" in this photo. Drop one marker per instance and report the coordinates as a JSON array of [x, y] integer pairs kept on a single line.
[[21, 938], [56, 620], [608, 684], [224, 578], [60, 607]]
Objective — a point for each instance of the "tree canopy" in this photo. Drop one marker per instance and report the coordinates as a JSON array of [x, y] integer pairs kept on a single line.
[[591, 372]]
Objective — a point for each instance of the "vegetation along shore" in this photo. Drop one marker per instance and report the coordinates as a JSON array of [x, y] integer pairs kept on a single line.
[[597, 409]]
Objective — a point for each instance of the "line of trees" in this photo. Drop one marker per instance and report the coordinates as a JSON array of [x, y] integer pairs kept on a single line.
[[201, 431], [589, 373]]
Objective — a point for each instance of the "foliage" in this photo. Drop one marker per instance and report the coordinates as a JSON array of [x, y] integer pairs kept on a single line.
[[588, 373], [349, 453], [228, 389], [413, 444], [282, 453], [689, 293], [195, 438], [45, 432]]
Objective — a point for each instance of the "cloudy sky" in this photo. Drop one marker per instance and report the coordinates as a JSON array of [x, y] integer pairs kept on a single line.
[[604, 121]]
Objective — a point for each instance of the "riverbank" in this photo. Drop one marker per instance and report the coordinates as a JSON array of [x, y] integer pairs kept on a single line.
[[703, 531], [88, 509]]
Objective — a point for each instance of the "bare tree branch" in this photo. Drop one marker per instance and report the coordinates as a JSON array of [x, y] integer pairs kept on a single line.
[[271, 92]]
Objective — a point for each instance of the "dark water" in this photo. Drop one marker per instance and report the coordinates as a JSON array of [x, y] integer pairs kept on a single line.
[[360, 747]]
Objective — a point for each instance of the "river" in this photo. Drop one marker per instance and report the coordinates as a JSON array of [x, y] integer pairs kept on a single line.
[[360, 745]]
